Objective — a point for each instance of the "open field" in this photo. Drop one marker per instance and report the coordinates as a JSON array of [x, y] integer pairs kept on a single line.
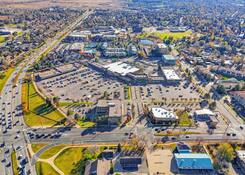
[[164, 35], [4, 77], [51, 152], [37, 113], [63, 3], [69, 161], [43, 168]]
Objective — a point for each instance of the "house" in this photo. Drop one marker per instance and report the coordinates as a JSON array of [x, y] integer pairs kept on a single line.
[[169, 60], [240, 159], [239, 96], [162, 116], [98, 167], [193, 163], [109, 112], [228, 84], [240, 75], [204, 115], [238, 101]]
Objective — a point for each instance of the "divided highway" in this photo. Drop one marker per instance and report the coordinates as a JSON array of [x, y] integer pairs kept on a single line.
[[13, 129]]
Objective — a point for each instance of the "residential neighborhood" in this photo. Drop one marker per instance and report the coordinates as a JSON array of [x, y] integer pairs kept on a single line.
[[122, 87]]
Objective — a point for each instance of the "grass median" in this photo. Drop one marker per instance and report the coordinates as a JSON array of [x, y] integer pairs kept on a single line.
[[36, 112], [4, 77], [14, 163]]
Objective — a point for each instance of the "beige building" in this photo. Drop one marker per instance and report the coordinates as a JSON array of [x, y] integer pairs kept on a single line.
[[109, 111], [160, 162]]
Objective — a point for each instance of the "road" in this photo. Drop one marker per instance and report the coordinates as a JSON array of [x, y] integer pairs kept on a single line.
[[15, 135], [224, 109], [13, 130]]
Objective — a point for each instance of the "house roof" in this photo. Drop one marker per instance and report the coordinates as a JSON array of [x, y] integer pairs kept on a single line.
[[193, 161]]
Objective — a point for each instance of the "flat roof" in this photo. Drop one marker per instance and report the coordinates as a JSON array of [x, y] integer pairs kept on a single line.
[[193, 161], [169, 57], [162, 45], [159, 161], [170, 74], [204, 112], [241, 154], [115, 107], [162, 113], [121, 68]]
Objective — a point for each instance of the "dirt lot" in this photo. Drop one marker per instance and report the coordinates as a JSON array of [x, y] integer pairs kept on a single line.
[[64, 3]]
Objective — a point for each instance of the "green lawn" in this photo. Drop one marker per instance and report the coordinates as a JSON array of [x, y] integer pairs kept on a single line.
[[225, 78], [163, 35], [43, 168], [4, 77], [72, 161], [37, 147], [87, 103], [37, 112], [51, 152], [14, 163], [184, 119], [2, 39], [176, 133], [84, 124]]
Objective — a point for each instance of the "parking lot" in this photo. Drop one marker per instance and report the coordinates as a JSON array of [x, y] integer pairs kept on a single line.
[[82, 85]]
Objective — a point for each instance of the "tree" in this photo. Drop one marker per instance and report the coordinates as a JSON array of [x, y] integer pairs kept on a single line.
[[212, 105], [56, 100], [225, 152], [48, 101], [221, 89], [77, 116], [207, 96], [237, 88], [119, 148], [69, 112]]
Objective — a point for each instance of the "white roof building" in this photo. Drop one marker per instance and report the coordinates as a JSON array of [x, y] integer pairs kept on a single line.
[[204, 112], [121, 68], [170, 74], [163, 114], [241, 154]]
